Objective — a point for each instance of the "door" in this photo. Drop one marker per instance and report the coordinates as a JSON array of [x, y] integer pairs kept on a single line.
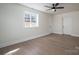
[[67, 24]]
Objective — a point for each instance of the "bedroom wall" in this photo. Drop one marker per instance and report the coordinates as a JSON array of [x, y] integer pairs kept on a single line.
[[67, 23], [73, 23], [12, 24]]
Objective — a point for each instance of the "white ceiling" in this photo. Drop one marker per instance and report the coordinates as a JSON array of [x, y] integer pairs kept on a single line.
[[68, 7]]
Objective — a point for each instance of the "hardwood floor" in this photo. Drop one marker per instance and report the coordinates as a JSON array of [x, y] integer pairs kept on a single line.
[[53, 44]]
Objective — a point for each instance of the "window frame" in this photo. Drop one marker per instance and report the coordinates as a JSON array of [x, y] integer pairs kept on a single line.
[[36, 21]]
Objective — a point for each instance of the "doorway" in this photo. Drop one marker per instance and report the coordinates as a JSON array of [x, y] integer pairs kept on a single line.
[[66, 24]]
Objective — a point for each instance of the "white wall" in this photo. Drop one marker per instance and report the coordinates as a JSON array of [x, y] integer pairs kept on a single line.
[[12, 24], [73, 22], [70, 21]]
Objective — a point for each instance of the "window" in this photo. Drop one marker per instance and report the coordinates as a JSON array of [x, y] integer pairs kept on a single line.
[[31, 20]]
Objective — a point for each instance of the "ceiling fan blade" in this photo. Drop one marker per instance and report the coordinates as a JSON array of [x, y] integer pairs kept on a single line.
[[48, 6], [56, 4], [59, 7], [53, 5]]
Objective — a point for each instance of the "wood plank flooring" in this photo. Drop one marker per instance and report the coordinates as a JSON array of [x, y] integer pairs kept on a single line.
[[53, 44]]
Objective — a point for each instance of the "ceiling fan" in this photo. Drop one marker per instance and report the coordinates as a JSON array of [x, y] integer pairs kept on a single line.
[[54, 7]]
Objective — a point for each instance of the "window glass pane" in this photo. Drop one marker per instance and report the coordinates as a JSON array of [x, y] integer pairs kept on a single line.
[[27, 20], [33, 18], [27, 17]]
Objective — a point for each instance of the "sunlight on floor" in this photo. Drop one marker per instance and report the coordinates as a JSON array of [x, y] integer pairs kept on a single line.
[[13, 51], [77, 47]]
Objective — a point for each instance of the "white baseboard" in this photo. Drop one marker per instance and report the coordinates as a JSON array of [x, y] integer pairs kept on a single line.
[[22, 40], [74, 35], [57, 33]]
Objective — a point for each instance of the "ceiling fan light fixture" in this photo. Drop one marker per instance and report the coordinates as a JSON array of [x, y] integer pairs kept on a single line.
[[53, 9]]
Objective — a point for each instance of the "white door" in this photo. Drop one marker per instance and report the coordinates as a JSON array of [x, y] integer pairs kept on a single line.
[[67, 24]]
